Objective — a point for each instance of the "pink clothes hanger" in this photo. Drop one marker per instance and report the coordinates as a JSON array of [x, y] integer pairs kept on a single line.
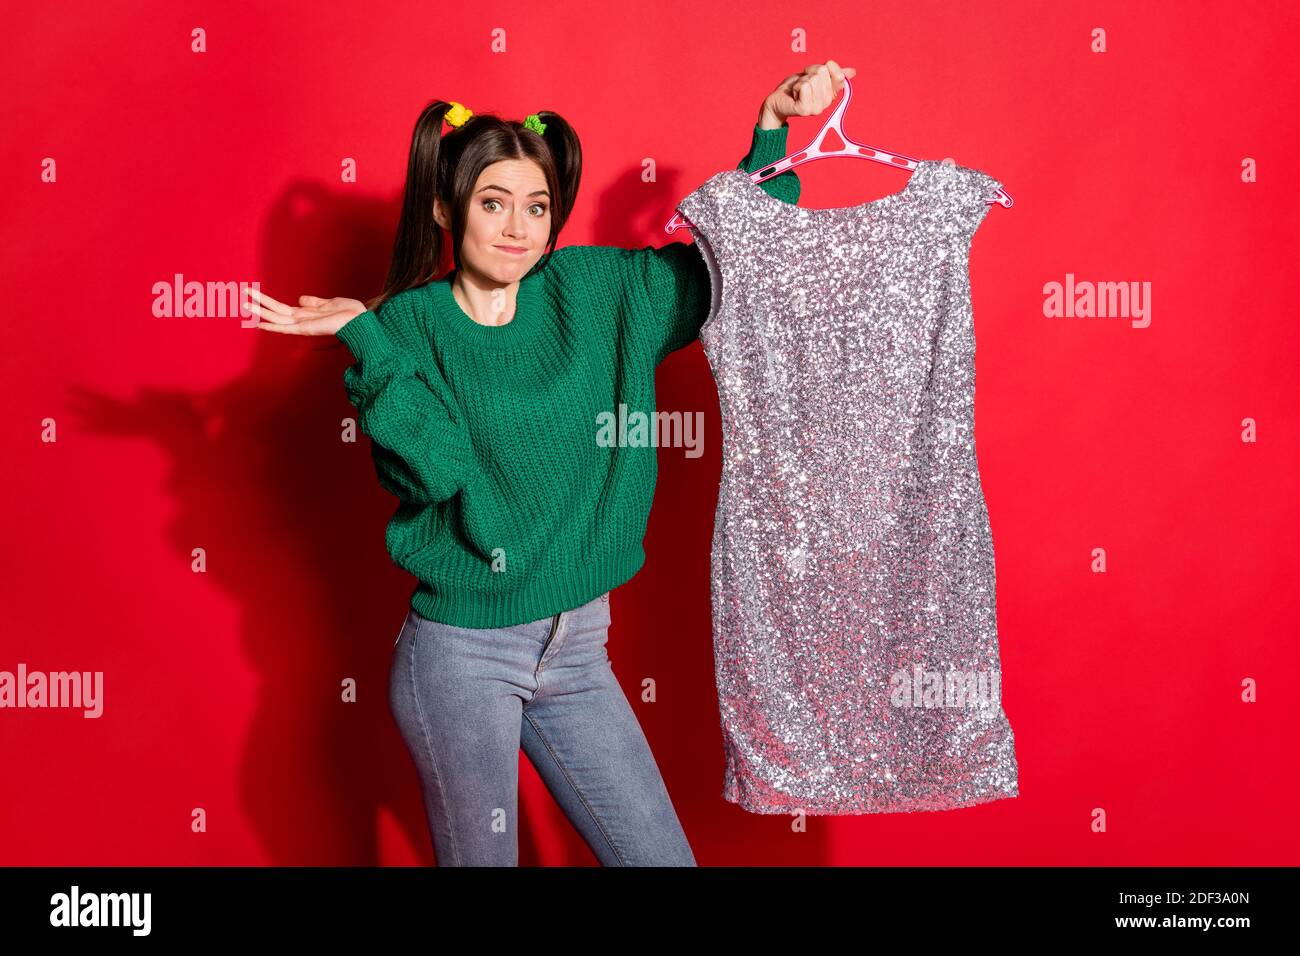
[[832, 141]]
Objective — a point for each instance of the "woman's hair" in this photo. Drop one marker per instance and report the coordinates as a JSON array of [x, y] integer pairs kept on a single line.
[[447, 167]]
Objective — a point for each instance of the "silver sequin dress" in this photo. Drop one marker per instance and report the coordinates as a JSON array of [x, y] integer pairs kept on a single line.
[[854, 623]]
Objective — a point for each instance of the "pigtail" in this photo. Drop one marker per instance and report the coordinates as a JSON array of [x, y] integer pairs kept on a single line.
[[567, 150], [417, 247]]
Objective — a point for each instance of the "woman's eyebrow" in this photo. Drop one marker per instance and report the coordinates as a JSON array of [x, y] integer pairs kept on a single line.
[[536, 192]]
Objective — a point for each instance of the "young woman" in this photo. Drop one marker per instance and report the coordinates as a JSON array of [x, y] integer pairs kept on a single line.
[[481, 393]]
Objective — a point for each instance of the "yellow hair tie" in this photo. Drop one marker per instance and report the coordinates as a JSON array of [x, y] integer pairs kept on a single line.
[[458, 114]]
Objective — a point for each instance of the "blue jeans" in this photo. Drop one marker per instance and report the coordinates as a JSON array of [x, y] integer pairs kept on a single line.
[[466, 699]]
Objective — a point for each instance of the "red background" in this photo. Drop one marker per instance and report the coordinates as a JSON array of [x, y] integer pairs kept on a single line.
[[222, 689]]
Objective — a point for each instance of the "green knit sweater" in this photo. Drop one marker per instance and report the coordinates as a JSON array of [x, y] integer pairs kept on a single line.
[[510, 506]]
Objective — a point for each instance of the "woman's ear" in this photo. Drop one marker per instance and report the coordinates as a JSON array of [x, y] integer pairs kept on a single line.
[[440, 214]]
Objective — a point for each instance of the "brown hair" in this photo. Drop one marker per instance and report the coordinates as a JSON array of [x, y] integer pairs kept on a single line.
[[447, 167]]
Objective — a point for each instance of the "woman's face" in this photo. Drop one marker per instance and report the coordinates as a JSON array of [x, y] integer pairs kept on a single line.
[[509, 221]]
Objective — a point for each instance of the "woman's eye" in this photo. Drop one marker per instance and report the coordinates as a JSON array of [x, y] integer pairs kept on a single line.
[[491, 205]]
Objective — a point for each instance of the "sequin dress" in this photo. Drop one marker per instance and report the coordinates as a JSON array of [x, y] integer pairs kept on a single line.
[[854, 625]]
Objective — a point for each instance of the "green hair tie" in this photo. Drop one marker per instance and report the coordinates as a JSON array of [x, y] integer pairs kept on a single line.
[[535, 124]]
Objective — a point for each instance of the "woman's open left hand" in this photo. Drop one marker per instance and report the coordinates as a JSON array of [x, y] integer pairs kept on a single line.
[[313, 316]]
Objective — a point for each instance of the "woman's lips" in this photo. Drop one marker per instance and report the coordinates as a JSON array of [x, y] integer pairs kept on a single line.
[[513, 250]]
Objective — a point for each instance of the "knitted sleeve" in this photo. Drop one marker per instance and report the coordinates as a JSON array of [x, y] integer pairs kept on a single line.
[[420, 447], [674, 280]]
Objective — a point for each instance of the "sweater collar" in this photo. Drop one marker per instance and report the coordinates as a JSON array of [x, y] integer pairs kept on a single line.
[[528, 318]]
